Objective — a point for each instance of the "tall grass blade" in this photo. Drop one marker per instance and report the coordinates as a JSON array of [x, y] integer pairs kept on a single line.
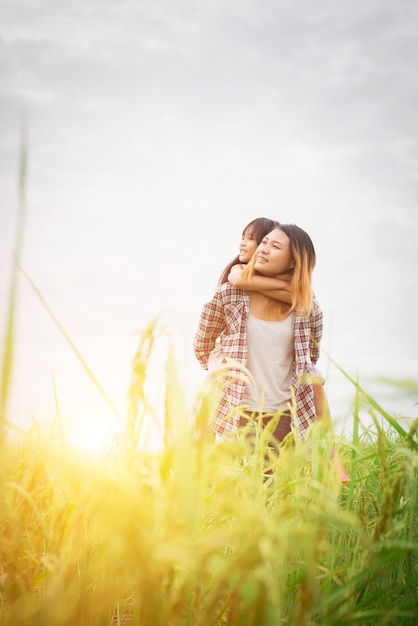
[[183, 456], [138, 404], [7, 364], [71, 344], [373, 403], [57, 421]]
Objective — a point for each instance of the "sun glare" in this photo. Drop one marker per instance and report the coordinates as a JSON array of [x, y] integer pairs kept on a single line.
[[89, 440], [97, 441]]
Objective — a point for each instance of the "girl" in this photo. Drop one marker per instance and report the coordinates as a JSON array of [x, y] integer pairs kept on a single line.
[[252, 236]]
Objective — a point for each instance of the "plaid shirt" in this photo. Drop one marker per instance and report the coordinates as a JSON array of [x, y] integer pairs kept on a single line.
[[221, 338]]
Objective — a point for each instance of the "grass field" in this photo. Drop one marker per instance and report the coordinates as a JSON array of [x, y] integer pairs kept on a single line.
[[200, 535]]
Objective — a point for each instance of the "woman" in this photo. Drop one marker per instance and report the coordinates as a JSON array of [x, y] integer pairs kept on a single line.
[[278, 342]]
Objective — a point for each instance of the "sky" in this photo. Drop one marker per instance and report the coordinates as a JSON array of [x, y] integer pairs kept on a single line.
[[156, 131]]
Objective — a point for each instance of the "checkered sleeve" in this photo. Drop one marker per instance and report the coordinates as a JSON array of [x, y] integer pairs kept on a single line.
[[316, 322], [211, 324]]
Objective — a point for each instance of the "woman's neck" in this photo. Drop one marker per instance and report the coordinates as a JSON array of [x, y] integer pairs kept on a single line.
[[268, 309]]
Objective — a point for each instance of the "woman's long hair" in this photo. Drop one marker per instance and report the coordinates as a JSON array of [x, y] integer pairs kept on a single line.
[[259, 228], [303, 256]]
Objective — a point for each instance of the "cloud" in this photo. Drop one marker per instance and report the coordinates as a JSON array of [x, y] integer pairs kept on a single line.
[[186, 119]]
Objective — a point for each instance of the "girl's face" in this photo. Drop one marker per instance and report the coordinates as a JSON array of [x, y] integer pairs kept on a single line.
[[247, 246], [273, 254]]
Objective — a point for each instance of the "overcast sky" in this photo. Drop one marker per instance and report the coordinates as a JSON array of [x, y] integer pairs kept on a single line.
[[158, 129]]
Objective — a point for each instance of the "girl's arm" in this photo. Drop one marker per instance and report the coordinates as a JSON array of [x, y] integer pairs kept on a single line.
[[276, 288]]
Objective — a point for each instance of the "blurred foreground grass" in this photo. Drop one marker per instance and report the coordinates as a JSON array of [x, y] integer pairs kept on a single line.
[[198, 535]]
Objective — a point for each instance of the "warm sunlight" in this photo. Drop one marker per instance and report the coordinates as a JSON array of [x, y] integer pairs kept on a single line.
[[100, 438], [89, 439]]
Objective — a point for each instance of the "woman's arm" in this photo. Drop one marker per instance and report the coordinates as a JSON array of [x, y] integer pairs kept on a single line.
[[316, 322], [276, 288]]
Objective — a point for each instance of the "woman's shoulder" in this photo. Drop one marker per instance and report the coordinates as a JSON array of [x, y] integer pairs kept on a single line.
[[227, 295], [307, 317], [229, 291], [316, 309]]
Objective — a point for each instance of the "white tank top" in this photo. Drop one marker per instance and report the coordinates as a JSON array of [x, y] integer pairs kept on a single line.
[[271, 352]]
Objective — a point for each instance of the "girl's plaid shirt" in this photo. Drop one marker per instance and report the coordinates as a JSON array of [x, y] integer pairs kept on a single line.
[[221, 338]]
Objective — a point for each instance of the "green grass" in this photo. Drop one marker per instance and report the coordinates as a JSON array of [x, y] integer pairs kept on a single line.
[[198, 535]]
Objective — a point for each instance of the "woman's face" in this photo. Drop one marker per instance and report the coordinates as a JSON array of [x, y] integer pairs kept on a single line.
[[247, 246], [273, 254]]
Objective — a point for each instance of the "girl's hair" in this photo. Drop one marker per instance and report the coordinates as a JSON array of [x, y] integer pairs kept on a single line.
[[303, 256], [259, 228]]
